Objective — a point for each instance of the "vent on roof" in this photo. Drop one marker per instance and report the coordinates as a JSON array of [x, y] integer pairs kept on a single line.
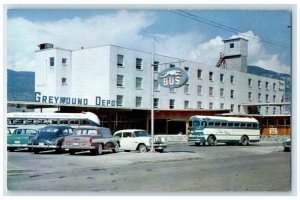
[[46, 46]]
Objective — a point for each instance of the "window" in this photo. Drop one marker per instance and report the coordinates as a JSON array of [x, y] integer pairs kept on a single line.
[[120, 60], [222, 78], [138, 102], [267, 110], [267, 85], [120, 80], [211, 76], [186, 89], [210, 105], [199, 105], [199, 90], [221, 92], [250, 96], [64, 81], [267, 98], [64, 61], [139, 63], [274, 110], [231, 107], [172, 65], [259, 97], [231, 94], [274, 98], [274, 86], [155, 102], [119, 100], [231, 45], [221, 105], [250, 82], [156, 85], [239, 108], [211, 90], [232, 79], [138, 83], [259, 84], [199, 74], [51, 61], [155, 66], [172, 104], [186, 104]]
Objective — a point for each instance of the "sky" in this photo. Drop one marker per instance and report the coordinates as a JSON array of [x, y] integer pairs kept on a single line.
[[194, 34]]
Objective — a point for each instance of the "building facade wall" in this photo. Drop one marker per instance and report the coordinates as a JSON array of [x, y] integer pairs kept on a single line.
[[94, 73]]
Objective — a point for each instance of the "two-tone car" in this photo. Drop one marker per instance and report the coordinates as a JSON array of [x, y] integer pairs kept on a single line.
[[138, 139], [21, 137], [91, 138], [50, 138]]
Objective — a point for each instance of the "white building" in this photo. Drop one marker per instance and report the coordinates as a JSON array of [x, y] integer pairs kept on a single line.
[[116, 77]]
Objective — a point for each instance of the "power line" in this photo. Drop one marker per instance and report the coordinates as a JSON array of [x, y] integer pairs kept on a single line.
[[224, 27]]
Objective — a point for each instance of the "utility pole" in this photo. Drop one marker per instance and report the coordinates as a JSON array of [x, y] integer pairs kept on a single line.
[[152, 96]]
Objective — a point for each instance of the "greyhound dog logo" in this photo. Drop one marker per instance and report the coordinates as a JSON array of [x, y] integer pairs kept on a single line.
[[174, 72]]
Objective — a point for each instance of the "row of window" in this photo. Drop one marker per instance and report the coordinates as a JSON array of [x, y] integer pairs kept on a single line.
[[138, 104], [52, 61], [216, 124]]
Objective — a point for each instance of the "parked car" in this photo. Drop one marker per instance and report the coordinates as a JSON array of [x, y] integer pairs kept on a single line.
[[138, 139], [21, 137], [287, 145], [50, 138], [94, 139]]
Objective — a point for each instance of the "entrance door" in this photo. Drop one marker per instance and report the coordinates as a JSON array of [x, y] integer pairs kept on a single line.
[[176, 127]]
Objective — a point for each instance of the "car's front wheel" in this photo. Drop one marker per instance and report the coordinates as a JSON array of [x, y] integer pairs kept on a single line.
[[117, 148], [142, 148]]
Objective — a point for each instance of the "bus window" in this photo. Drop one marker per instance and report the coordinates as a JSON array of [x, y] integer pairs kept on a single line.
[[196, 124], [230, 124], [224, 124], [249, 125], [190, 123], [64, 121], [243, 124], [236, 124], [210, 123], [255, 125], [203, 123], [217, 123]]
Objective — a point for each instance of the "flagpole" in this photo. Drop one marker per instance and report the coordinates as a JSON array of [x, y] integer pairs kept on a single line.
[[152, 96]]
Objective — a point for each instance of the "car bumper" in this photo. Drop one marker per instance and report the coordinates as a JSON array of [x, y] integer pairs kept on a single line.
[[18, 145], [45, 146], [160, 146], [78, 147]]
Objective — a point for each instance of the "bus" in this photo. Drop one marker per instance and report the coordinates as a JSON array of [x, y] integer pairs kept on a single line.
[[230, 130], [16, 119]]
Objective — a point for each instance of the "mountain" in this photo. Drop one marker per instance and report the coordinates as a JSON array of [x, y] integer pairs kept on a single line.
[[20, 86], [271, 74]]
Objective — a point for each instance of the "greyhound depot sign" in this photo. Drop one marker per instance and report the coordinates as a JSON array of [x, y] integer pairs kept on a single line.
[[173, 77]]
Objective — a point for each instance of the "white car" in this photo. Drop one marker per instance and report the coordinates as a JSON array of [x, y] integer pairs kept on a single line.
[[138, 139]]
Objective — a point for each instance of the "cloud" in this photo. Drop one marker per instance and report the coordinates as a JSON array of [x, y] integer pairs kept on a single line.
[[124, 29]]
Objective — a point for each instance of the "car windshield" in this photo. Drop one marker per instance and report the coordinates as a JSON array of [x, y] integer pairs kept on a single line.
[[140, 133]]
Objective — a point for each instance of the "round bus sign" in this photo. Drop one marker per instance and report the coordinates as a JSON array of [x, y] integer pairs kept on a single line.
[[173, 77]]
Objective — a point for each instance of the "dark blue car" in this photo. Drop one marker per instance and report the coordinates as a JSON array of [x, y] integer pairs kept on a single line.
[[50, 138]]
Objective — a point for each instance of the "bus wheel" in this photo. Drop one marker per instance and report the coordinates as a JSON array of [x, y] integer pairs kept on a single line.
[[211, 140], [244, 140]]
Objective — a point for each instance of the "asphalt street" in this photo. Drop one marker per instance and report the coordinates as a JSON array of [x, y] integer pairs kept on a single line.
[[182, 168]]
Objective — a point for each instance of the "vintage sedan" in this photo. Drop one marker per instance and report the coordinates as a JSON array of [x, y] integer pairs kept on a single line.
[[137, 139], [50, 138], [287, 145], [21, 137], [92, 138]]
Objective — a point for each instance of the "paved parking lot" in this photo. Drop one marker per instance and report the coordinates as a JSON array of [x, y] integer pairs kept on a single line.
[[182, 168]]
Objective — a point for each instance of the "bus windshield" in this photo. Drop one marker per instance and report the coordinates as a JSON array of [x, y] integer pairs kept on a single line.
[[194, 124]]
